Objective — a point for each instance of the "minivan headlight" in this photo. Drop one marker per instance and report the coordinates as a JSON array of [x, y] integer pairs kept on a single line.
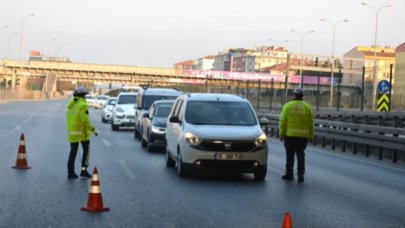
[[118, 109], [192, 139], [261, 140]]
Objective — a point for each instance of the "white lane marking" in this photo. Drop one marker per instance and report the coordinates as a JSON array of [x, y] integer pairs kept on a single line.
[[19, 126], [127, 170], [106, 142]]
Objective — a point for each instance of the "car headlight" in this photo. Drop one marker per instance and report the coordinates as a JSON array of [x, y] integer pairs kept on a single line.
[[192, 139], [158, 130], [118, 109], [261, 140]]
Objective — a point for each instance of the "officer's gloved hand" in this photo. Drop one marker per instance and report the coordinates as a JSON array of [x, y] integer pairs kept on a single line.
[[95, 132]]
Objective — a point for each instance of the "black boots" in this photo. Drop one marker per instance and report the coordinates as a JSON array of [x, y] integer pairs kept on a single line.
[[72, 175], [85, 174], [288, 177]]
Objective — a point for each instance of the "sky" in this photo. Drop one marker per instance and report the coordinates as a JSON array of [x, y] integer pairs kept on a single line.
[[159, 33]]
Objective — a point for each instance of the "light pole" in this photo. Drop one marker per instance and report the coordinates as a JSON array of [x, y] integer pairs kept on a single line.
[[376, 11], [8, 43], [49, 44], [21, 38], [333, 54], [302, 45]]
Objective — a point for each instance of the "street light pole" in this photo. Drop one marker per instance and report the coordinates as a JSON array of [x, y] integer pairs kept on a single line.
[[8, 44], [301, 49], [376, 11], [333, 55], [21, 38]]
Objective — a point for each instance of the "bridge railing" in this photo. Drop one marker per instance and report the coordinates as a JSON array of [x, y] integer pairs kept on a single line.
[[370, 139]]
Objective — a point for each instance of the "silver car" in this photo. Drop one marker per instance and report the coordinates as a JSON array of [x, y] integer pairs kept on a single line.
[[106, 111], [215, 131]]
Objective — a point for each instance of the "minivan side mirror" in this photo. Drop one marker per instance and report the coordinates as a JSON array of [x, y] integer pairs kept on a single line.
[[174, 119]]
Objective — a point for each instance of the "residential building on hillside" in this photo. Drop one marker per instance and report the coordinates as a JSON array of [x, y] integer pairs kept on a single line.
[[361, 56], [205, 63], [183, 67], [398, 89], [224, 59]]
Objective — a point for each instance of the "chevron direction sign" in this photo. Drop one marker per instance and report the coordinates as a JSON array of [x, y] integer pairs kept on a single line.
[[383, 103]]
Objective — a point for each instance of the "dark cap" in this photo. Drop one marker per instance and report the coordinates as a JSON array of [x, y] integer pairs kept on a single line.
[[80, 91], [298, 91]]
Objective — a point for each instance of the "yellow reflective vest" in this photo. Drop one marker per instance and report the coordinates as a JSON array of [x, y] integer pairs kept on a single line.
[[297, 120], [78, 124]]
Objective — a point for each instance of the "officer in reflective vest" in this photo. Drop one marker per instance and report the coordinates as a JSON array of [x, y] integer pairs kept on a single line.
[[79, 129], [296, 128]]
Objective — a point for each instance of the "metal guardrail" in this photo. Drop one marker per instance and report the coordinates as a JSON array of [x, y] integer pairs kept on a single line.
[[389, 141]]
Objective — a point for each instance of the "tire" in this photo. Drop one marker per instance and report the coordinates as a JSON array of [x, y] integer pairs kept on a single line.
[[143, 142], [261, 173], [136, 133], [181, 172], [114, 127], [169, 160], [149, 147]]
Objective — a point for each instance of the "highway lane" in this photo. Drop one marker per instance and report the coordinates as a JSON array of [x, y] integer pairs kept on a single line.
[[340, 190]]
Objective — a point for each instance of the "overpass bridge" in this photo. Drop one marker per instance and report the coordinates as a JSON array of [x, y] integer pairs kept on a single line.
[[13, 71]]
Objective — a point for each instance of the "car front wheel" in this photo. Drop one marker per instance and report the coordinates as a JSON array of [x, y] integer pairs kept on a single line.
[[169, 161], [261, 173], [181, 172]]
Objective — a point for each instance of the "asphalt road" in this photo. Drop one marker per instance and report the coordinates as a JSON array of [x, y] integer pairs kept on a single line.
[[340, 190]]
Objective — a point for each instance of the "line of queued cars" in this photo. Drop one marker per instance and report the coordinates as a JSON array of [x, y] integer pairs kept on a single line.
[[198, 131]]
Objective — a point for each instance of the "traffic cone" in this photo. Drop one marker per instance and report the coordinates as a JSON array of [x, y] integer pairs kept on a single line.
[[287, 223], [21, 162], [95, 201]]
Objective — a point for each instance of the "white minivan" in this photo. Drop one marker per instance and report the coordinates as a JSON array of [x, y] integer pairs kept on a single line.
[[215, 131]]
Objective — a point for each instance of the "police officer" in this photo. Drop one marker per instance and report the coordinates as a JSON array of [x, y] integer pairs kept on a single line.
[[296, 128], [79, 129]]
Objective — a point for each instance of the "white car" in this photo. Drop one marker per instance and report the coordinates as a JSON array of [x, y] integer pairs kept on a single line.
[[90, 100], [215, 131], [100, 101], [123, 113], [106, 111]]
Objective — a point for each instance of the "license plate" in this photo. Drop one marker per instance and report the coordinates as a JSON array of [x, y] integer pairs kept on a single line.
[[227, 156]]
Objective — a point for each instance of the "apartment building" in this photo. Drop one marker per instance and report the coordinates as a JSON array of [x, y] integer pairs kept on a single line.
[[360, 56], [398, 89]]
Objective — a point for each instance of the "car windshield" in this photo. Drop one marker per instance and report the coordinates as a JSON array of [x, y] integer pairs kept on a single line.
[[163, 110], [110, 101], [102, 98], [127, 99], [220, 113], [149, 99], [89, 97]]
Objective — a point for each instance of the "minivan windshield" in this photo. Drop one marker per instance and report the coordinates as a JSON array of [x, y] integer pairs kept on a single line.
[[127, 99], [149, 99], [220, 113]]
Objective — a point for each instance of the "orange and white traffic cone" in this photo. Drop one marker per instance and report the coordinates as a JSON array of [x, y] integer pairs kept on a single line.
[[95, 200], [287, 223], [21, 162]]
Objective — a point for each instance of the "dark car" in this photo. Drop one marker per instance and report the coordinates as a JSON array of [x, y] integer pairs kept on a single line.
[[154, 124]]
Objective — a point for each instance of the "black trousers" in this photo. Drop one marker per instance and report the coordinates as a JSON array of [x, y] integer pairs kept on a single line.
[[295, 146], [73, 152]]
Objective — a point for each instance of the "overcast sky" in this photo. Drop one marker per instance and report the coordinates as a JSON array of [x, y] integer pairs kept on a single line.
[[162, 32]]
